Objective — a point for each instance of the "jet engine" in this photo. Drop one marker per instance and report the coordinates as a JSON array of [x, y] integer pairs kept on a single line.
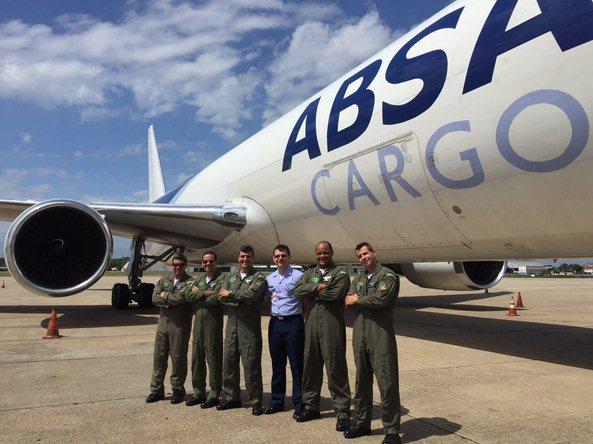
[[460, 276], [58, 247]]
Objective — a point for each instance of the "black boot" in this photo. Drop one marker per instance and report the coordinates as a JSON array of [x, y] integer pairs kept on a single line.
[[356, 432]]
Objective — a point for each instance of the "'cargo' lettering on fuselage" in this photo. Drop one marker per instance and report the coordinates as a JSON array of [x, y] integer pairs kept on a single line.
[[570, 22], [572, 109]]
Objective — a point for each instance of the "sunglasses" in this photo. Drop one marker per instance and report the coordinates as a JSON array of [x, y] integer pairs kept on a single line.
[[208, 261], [179, 265]]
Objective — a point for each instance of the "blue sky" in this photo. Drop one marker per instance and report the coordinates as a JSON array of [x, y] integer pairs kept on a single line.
[[80, 82]]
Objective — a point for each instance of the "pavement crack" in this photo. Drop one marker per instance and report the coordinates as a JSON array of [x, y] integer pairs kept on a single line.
[[66, 404], [76, 359]]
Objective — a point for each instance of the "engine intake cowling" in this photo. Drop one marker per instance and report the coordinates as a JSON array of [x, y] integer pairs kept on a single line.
[[460, 276], [58, 247]]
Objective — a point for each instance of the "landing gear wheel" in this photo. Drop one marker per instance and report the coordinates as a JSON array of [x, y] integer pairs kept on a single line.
[[120, 296], [145, 295]]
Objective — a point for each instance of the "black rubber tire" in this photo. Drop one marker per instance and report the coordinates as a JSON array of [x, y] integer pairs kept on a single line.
[[120, 296], [145, 295]]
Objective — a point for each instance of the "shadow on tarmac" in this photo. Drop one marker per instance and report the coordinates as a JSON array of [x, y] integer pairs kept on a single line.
[[88, 316], [557, 344], [418, 429]]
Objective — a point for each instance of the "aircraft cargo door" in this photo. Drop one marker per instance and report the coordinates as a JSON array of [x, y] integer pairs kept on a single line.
[[383, 197]]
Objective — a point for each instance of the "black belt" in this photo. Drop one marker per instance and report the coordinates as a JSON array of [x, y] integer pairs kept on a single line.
[[287, 318]]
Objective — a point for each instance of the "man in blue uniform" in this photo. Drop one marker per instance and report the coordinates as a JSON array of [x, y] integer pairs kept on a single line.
[[286, 332]]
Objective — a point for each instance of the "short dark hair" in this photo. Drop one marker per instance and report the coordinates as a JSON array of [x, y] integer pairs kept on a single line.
[[325, 242], [180, 257], [210, 252], [247, 249], [364, 244], [282, 247]]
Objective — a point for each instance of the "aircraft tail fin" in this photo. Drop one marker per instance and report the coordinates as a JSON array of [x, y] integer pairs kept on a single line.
[[156, 184]]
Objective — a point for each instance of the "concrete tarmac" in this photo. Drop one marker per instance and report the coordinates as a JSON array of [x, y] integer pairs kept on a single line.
[[468, 372]]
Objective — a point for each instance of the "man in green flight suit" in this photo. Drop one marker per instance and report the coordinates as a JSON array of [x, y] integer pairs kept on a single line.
[[372, 294], [325, 287], [243, 292], [207, 336], [173, 331]]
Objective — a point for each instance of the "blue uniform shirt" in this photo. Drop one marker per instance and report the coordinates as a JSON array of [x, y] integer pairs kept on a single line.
[[284, 303]]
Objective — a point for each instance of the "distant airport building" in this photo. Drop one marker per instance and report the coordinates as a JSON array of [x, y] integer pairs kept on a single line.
[[588, 268], [528, 268]]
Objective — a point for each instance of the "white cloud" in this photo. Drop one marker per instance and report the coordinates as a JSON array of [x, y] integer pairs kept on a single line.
[[26, 137], [31, 183], [94, 113], [141, 195], [317, 55], [165, 53], [130, 150], [181, 177]]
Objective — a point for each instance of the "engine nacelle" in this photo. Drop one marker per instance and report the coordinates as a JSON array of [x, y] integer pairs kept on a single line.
[[460, 276], [58, 247]]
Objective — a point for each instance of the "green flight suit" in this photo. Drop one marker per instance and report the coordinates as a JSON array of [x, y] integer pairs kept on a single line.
[[243, 337], [207, 335], [172, 334], [325, 338], [375, 350]]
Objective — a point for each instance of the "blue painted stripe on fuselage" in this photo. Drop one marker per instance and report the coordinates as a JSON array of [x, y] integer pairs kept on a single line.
[[167, 198]]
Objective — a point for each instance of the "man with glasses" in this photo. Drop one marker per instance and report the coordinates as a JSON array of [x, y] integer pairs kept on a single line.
[[207, 336], [286, 332], [173, 331], [243, 292]]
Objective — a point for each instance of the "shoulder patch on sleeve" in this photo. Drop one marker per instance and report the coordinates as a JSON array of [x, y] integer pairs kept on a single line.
[[390, 275]]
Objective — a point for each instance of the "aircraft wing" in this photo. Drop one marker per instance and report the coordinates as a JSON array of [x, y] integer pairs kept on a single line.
[[191, 226]]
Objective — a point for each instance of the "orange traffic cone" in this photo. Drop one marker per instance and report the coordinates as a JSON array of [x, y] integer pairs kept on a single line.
[[3, 284], [512, 309], [52, 328], [519, 301]]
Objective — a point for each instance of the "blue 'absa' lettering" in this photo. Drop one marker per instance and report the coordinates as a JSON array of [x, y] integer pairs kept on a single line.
[[569, 21], [309, 142], [431, 68], [363, 98]]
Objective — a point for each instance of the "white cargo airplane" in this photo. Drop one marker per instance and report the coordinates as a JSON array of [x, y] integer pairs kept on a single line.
[[464, 143]]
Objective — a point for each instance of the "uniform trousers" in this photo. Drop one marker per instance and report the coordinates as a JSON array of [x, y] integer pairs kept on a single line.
[[172, 339], [286, 337]]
